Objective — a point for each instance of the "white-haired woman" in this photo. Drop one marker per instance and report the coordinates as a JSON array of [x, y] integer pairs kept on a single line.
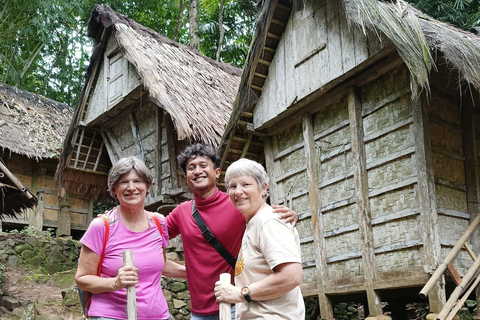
[[132, 228], [269, 272]]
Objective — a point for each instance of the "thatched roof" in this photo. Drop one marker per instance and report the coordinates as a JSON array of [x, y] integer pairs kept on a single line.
[[14, 198], [31, 124], [195, 91], [417, 38]]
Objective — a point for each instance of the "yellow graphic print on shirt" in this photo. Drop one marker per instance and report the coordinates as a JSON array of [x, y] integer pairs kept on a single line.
[[240, 265]]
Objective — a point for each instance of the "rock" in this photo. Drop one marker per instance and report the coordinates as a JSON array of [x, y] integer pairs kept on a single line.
[[431, 316], [4, 310], [70, 297], [177, 304], [10, 303], [49, 317]]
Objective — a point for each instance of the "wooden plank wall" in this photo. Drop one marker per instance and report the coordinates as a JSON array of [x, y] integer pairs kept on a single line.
[[318, 46], [448, 161], [138, 134], [38, 177], [386, 134]]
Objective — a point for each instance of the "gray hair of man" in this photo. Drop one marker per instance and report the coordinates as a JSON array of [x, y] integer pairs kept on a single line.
[[247, 167], [125, 165]]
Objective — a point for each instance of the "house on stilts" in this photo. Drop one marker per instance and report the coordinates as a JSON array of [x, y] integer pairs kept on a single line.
[[32, 129], [365, 114], [144, 95]]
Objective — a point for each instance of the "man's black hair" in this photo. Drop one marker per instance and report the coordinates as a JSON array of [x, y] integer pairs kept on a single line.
[[198, 149]]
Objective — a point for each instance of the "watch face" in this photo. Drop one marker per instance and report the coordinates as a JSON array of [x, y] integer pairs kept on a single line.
[[245, 290]]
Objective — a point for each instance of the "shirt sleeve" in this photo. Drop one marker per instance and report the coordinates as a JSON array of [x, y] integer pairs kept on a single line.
[[165, 238], [95, 236], [278, 243]]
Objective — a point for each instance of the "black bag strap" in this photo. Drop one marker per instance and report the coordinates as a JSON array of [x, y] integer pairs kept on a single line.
[[208, 235]]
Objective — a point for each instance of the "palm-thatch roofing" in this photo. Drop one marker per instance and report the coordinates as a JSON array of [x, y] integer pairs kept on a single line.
[[417, 37], [195, 91], [32, 125]]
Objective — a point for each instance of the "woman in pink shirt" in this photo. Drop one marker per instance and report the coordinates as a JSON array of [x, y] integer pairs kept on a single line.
[[130, 228]]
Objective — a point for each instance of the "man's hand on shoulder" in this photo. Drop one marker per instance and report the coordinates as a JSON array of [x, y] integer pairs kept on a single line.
[[286, 214]]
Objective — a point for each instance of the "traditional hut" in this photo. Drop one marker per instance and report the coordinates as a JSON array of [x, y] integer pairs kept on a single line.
[[32, 129], [363, 113], [144, 95]]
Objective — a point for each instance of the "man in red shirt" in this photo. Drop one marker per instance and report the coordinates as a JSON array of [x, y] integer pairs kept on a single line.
[[203, 263]]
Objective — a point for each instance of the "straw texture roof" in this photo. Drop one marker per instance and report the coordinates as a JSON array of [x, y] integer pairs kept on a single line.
[[32, 125], [196, 91], [417, 37]]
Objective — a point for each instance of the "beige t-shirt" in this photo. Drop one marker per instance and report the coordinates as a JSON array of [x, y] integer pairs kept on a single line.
[[268, 242]]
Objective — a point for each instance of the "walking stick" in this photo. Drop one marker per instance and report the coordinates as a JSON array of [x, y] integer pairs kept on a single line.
[[225, 309], [131, 291]]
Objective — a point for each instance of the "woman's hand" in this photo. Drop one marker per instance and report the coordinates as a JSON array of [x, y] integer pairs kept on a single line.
[[126, 276], [225, 292], [287, 214]]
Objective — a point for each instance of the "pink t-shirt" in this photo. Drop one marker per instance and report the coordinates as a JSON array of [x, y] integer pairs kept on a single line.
[[204, 264], [147, 248]]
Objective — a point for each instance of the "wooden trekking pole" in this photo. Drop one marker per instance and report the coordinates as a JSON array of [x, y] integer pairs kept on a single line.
[[131, 291], [225, 309]]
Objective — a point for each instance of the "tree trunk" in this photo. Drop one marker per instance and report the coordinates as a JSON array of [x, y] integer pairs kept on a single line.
[[194, 26], [179, 20], [221, 29]]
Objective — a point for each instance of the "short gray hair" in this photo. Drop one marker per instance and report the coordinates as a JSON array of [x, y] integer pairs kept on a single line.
[[247, 167], [125, 165]]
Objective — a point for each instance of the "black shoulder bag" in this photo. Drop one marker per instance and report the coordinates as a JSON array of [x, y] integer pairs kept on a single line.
[[208, 235]]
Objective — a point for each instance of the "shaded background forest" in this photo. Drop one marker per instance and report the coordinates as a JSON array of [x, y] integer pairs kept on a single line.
[[44, 46]]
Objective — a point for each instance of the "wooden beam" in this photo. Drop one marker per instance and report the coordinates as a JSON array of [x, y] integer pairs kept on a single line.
[[326, 309], [79, 146], [89, 150], [270, 166], [99, 156], [427, 199], [172, 156], [136, 136], [246, 145], [362, 199], [112, 145]]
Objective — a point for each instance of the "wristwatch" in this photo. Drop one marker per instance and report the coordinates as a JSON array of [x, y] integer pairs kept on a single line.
[[246, 293]]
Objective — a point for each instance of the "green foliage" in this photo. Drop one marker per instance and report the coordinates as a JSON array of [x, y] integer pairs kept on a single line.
[[464, 14], [238, 29]]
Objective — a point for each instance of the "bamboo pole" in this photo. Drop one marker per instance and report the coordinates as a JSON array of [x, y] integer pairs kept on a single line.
[[458, 290], [15, 181], [463, 299], [443, 266], [225, 309], [131, 291]]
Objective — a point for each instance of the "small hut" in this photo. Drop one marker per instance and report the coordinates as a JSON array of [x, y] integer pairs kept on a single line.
[[144, 95], [32, 129], [364, 115]]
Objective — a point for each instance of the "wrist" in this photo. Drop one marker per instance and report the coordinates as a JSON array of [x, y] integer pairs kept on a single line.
[[246, 292]]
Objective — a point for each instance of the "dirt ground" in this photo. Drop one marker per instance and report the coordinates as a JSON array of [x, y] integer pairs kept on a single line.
[[47, 296]]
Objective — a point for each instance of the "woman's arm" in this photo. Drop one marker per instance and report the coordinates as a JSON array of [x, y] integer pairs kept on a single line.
[[173, 269], [87, 279], [285, 277]]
